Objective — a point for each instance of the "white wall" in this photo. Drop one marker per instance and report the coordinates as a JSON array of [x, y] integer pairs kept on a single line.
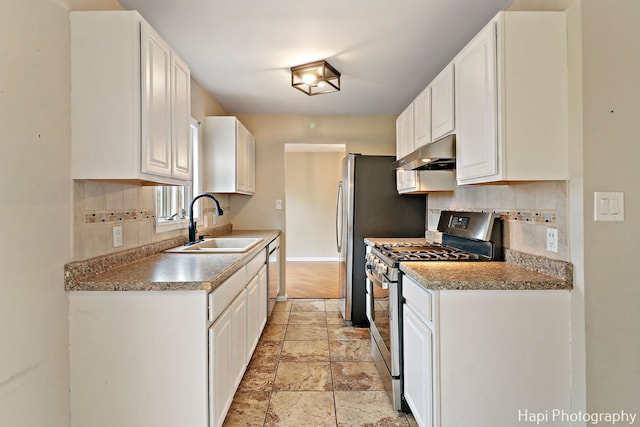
[[311, 180], [366, 134], [611, 149], [36, 212]]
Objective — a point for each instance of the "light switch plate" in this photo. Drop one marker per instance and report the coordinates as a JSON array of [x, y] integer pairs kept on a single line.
[[608, 206]]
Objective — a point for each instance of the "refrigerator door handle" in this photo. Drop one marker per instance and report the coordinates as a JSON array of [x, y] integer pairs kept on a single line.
[[339, 217]]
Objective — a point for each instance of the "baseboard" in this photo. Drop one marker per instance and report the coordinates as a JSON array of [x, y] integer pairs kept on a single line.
[[312, 259]]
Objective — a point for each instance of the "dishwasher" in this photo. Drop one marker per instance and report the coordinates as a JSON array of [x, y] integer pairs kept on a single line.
[[273, 273]]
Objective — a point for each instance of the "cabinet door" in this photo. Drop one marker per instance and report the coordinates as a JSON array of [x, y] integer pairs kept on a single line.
[[181, 118], [251, 163], [221, 388], [404, 132], [476, 107], [156, 103], [422, 118], [241, 157], [240, 356], [418, 367], [229, 151], [442, 102], [406, 180], [253, 313], [263, 298]]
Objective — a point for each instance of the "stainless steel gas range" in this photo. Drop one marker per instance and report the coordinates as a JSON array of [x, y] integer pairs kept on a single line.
[[466, 236]]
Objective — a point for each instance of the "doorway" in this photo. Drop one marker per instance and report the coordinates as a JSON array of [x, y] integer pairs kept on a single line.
[[312, 172]]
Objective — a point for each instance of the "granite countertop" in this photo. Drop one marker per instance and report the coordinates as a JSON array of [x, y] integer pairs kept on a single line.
[[168, 271], [443, 275], [519, 271]]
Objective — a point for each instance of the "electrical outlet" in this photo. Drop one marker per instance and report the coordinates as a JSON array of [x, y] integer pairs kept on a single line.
[[552, 240], [278, 204], [117, 236]]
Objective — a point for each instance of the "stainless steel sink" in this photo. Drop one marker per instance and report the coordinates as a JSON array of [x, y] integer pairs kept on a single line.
[[219, 245]]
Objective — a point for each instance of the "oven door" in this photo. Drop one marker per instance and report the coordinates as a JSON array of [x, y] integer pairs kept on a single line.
[[382, 311]]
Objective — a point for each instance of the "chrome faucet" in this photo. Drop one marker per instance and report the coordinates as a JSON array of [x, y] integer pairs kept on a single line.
[[192, 225]]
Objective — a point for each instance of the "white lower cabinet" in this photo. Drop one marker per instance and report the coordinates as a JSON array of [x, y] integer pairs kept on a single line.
[[256, 308], [482, 358], [138, 359], [164, 358], [220, 360], [228, 357], [418, 359], [234, 334]]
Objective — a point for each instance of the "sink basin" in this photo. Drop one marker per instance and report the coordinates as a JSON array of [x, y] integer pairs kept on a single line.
[[219, 245]]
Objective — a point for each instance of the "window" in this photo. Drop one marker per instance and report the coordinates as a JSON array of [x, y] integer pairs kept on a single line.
[[172, 202]]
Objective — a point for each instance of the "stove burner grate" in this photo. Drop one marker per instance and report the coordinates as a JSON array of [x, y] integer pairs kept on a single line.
[[428, 252]]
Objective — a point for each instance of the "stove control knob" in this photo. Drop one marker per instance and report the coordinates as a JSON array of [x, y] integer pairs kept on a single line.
[[381, 268]]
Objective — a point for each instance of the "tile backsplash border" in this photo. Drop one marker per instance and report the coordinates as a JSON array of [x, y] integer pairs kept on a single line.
[[118, 215]]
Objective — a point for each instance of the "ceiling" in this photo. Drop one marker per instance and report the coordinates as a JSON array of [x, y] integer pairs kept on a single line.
[[240, 51]]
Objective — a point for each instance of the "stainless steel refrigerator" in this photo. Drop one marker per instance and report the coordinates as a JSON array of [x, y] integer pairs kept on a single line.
[[368, 205]]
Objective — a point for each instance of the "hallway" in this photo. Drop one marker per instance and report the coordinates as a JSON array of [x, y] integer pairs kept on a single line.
[[312, 279], [311, 370]]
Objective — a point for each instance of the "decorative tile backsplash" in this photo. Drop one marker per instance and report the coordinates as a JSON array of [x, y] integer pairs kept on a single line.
[[99, 206], [527, 210]]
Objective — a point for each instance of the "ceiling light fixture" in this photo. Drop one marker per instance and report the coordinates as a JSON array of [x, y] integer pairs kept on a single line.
[[315, 78]]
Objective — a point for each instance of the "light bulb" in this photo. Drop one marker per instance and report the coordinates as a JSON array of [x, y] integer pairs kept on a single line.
[[308, 79]]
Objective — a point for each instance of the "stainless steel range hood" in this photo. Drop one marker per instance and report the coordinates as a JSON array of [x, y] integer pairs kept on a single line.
[[438, 155]]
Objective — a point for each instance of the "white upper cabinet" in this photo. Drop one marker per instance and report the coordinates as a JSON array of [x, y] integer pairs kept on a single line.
[[130, 102], [511, 100], [181, 119], [422, 118], [413, 130], [229, 156], [442, 103], [156, 103], [476, 106], [426, 181], [404, 132]]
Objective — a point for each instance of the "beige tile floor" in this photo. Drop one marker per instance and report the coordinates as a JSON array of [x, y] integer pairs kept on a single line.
[[311, 370]]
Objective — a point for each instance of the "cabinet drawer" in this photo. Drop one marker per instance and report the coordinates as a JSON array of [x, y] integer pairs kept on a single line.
[[222, 296], [420, 299], [256, 264]]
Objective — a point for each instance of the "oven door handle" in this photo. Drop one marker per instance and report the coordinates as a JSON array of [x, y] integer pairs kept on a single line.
[[368, 268], [383, 285], [376, 281]]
